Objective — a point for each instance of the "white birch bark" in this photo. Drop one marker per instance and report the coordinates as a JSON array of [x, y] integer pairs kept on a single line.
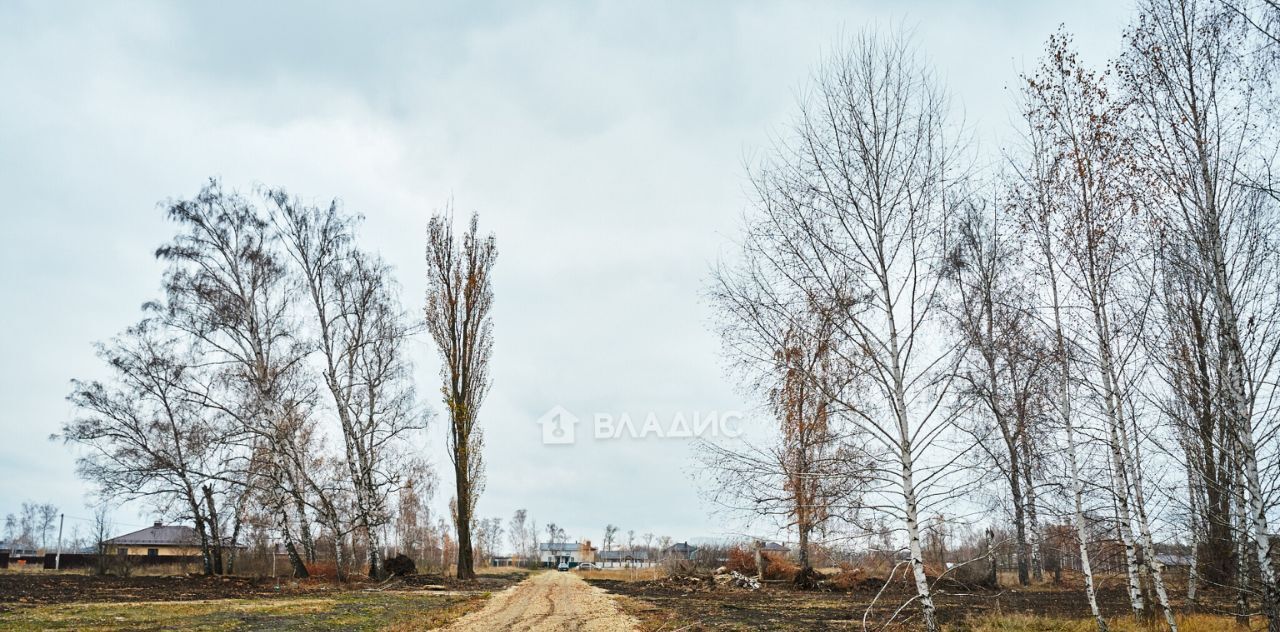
[[908, 484], [1077, 486]]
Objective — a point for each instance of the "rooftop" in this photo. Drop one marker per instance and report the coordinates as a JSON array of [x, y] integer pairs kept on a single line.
[[623, 555], [562, 546], [158, 534]]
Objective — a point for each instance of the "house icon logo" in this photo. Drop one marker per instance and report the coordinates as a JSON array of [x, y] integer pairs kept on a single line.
[[558, 426]]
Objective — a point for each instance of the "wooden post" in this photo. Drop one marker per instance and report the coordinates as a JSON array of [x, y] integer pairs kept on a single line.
[[761, 561], [57, 559]]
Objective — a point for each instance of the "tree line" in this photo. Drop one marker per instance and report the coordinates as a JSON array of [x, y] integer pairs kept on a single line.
[[1090, 325]]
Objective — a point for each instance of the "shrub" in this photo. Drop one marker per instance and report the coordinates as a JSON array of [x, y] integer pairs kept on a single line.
[[400, 566], [742, 561], [849, 577], [322, 570], [779, 567], [975, 574]]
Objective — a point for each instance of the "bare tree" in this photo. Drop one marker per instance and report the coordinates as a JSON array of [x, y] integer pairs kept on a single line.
[[610, 533], [148, 436], [459, 302], [226, 287], [518, 532], [1033, 201], [1003, 363], [1097, 198], [413, 515], [858, 195], [810, 475], [48, 516], [360, 334], [1199, 114], [101, 534]]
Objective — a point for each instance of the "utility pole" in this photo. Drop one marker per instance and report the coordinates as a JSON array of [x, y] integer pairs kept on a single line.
[[57, 559]]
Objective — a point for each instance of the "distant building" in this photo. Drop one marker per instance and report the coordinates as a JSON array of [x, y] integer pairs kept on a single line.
[[158, 539], [623, 558], [1174, 560], [17, 548], [507, 560], [775, 547], [571, 553], [681, 550]]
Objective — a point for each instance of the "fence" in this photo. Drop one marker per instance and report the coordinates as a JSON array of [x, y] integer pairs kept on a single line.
[[90, 560]]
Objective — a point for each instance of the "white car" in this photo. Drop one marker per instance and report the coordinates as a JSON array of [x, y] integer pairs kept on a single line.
[[562, 567], [586, 566]]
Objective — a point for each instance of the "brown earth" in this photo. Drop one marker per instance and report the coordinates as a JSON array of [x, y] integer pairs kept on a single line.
[[700, 605], [39, 588], [52, 588]]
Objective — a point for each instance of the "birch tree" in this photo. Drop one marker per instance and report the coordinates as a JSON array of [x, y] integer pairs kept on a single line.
[[1199, 112], [360, 332], [860, 189], [226, 288], [1097, 200]]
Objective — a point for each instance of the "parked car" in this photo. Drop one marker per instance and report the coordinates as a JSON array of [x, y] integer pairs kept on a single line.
[[586, 566], [562, 567]]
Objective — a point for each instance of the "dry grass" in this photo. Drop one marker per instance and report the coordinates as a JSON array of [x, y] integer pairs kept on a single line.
[[1030, 623], [506, 570], [624, 574]]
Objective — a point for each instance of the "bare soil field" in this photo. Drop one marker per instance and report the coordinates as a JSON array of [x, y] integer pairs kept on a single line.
[[50, 588], [66, 601], [41, 588], [682, 604]]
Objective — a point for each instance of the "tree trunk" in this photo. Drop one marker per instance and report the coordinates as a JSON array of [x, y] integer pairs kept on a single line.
[[907, 457], [206, 554], [466, 563], [215, 532], [1120, 488], [1154, 567], [286, 533], [993, 577], [1242, 556], [917, 555], [760, 560], [339, 558], [1019, 519], [1077, 486], [803, 545], [1033, 521], [1260, 531], [1119, 466], [236, 524], [1193, 572]]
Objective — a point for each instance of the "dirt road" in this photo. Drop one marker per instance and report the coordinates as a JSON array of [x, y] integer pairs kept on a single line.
[[549, 601]]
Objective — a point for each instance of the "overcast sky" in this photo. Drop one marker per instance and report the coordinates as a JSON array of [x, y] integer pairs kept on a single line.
[[603, 143]]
